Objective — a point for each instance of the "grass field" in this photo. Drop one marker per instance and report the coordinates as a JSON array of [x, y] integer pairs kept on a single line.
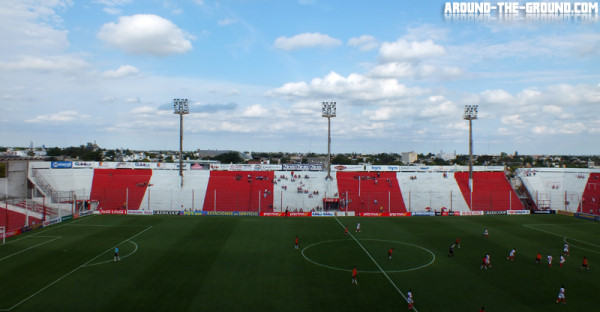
[[192, 263]]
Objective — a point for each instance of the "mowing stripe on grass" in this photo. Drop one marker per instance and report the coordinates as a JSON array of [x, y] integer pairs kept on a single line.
[[24, 250], [377, 264], [73, 271]]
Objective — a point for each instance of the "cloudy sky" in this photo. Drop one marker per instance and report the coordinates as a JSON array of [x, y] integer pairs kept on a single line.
[[256, 72]]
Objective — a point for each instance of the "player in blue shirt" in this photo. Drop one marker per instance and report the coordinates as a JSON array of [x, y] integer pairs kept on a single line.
[[117, 254]]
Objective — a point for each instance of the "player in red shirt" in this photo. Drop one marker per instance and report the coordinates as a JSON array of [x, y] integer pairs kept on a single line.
[[584, 264], [457, 242], [390, 253], [346, 231], [482, 309], [484, 263], [538, 258], [354, 276], [296, 247]]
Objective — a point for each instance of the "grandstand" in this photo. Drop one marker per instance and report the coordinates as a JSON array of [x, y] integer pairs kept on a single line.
[[62, 188], [566, 189]]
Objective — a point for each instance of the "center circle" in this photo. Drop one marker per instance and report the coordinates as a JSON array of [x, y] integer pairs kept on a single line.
[[343, 254]]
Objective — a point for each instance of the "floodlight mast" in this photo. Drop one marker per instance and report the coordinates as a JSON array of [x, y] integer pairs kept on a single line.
[[470, 115], [329, 111], [180, 107]]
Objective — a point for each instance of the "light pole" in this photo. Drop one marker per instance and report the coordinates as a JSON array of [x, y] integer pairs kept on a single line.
[[470, 115], [329, 111], [180, 107]]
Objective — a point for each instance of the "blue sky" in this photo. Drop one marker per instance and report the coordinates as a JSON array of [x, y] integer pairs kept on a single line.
[[256, 73]]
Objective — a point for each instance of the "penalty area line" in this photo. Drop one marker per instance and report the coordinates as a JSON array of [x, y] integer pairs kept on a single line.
[[73, 271], [377, 264]]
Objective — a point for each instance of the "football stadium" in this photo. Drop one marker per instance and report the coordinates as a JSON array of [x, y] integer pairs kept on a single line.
[[327, 214], [225, 240]]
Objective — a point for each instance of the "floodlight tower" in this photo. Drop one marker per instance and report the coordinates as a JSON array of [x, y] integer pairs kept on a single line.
[[470, 115], [180, 107], [329, 111]]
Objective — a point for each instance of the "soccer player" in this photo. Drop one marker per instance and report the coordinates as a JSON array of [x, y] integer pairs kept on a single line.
[[561, 295], [487, 261], [538, 258], [409, 299], [566, 249], [451, 251], [549, 260], [484, 263], [390, 253], [584, 264], [511, 255], [486, 234], [482, 309], [562, 260], [457, 242], [354, 276], [346, 231], [117, 254], [358, 227], [296, 241]]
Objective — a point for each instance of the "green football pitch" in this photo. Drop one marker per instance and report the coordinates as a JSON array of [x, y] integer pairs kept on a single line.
[[206, 263]]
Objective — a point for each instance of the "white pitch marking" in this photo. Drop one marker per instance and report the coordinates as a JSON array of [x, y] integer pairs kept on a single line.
[[24, 250], [377, 264], [73, 271]]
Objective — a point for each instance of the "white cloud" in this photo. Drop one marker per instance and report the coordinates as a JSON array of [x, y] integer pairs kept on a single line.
[[552, 109], [60, 117], [497, 97], [122, 71], [226, 21], [112, 7], [32, 27], [393, 70], [364, 42], [356, 88], [255, 111], [403, 50], [46, 64], [145, 34], [514, 120], [306, 40]]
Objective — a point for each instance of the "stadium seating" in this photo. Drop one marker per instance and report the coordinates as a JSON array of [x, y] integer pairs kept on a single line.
[[491, 191], [16, 220], [555, 188], [239, 191], [370, 191], [119, 188], [305, 192], [435, 190], [591, 195]]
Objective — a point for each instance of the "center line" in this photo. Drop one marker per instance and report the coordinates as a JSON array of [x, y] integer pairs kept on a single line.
[[377, 264]]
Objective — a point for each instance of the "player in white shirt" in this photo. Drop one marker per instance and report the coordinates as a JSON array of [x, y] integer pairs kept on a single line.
[[488, 262], [358, 227], [562, 260], [561, 295], [409, 299], [566, 249], [486, 234], [549, 257], [511, 255]]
